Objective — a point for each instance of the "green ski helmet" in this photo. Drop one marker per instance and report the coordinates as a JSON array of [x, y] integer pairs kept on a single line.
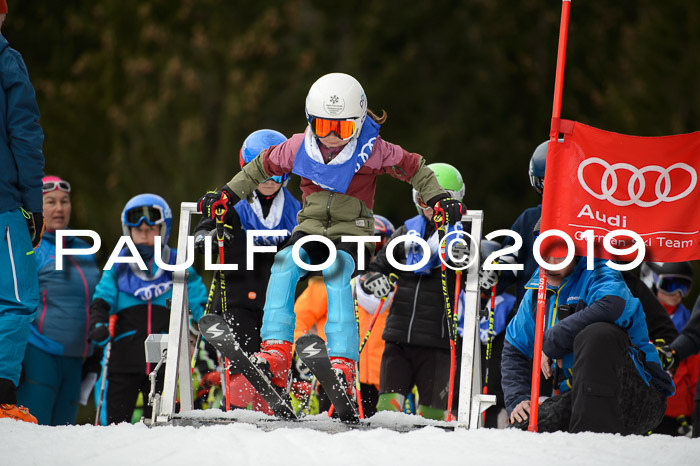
[[449, 178]]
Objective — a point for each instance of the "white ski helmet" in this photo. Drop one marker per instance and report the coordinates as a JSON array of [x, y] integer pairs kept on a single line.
[[337, 96]]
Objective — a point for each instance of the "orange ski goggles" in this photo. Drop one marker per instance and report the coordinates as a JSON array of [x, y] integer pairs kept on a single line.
[[344, 129]]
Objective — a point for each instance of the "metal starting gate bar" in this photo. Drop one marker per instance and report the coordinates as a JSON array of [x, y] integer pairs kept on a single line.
[[471, 402]]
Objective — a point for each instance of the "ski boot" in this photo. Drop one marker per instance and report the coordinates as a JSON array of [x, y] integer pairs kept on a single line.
[[345, 370], [275, 359], [19, 413]]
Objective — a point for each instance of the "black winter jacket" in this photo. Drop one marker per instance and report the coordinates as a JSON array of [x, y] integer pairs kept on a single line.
[[417, 313]]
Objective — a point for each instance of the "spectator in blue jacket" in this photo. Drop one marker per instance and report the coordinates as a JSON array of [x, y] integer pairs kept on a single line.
[[139, 300], [58, 338], [609, 379], [21, 221]]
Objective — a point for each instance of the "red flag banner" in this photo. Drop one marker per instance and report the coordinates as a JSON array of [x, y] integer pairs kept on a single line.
[[602, 181]]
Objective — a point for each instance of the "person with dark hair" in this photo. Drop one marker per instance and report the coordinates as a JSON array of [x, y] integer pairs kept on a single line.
[[21, 219]]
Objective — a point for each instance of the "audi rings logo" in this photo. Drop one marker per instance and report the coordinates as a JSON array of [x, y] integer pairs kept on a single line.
[[637, 182]]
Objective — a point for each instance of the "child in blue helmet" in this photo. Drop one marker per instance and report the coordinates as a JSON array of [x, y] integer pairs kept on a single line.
[[139, 300], [273, 208]]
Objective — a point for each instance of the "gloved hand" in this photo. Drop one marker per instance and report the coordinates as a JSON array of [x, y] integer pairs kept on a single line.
[[205, 203], [460, 254], [488, 278], [100, 334], [35, 223], [375, 283], [210, 379], [199, 237], [668, 357], [443, 205]]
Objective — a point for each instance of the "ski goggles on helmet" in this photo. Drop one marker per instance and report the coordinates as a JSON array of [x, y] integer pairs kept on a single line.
[[49, 186], [671, 284], [421, 203], [322, 127], [152, 215]]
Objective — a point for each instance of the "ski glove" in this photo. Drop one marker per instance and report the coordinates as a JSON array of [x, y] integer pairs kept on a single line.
[[444, 205], [375, 283], [488, 278], [100, 334], [35, 224], [667, 356], [200, 236], [460, 255], [206, 203]]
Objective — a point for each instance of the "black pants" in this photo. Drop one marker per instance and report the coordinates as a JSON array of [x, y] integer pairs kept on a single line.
[[123, 391], [370, 397], [608, 394], [404, 366]]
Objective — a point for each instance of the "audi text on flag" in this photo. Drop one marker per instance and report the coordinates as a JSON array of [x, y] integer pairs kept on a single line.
[[602, 181]]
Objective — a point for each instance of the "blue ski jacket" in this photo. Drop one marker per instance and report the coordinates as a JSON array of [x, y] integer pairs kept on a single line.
[[62, 322], [140, 301], [598, 295], [21, 137]]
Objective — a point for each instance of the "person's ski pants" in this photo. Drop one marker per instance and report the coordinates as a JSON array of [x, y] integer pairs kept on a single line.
[[19, 296], [608, 394], [50, 388], [279, 319]]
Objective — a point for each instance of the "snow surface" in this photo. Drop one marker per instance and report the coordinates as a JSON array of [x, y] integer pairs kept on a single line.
[[243, 443]]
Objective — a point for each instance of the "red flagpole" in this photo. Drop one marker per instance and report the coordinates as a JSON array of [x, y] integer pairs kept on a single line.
[[542, 283]]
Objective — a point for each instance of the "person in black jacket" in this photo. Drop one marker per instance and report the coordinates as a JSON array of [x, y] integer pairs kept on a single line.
[[687, 344], [417, 350], [273, 208]]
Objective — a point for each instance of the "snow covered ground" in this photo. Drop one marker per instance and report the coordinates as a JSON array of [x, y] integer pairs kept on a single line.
[[246, 444]]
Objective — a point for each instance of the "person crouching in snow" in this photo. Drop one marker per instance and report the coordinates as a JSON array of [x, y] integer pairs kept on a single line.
[[338, 159], [273, 208], [610, 377]]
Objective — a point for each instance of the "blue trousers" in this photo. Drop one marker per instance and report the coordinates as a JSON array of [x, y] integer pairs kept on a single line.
[[19, 292], [51, 386]]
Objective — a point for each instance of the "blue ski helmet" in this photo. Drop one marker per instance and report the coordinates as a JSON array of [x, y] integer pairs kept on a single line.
[[258, 141], [149, 208], [537, 166]]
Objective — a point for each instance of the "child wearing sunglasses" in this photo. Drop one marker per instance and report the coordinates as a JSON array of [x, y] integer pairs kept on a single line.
[[273, 208], [671, 282], [338, 158], [139, 300]]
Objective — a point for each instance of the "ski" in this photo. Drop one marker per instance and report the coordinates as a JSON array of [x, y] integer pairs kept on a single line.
[[217, 332], [311, 349]]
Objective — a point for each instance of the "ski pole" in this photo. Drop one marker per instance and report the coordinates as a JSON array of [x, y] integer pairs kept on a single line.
[[103, 381], [358, 387], [453, 346], [440, 217], [489, 346], [219, 210]]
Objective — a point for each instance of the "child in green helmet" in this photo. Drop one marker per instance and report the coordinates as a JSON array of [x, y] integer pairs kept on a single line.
[[417, 350]]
